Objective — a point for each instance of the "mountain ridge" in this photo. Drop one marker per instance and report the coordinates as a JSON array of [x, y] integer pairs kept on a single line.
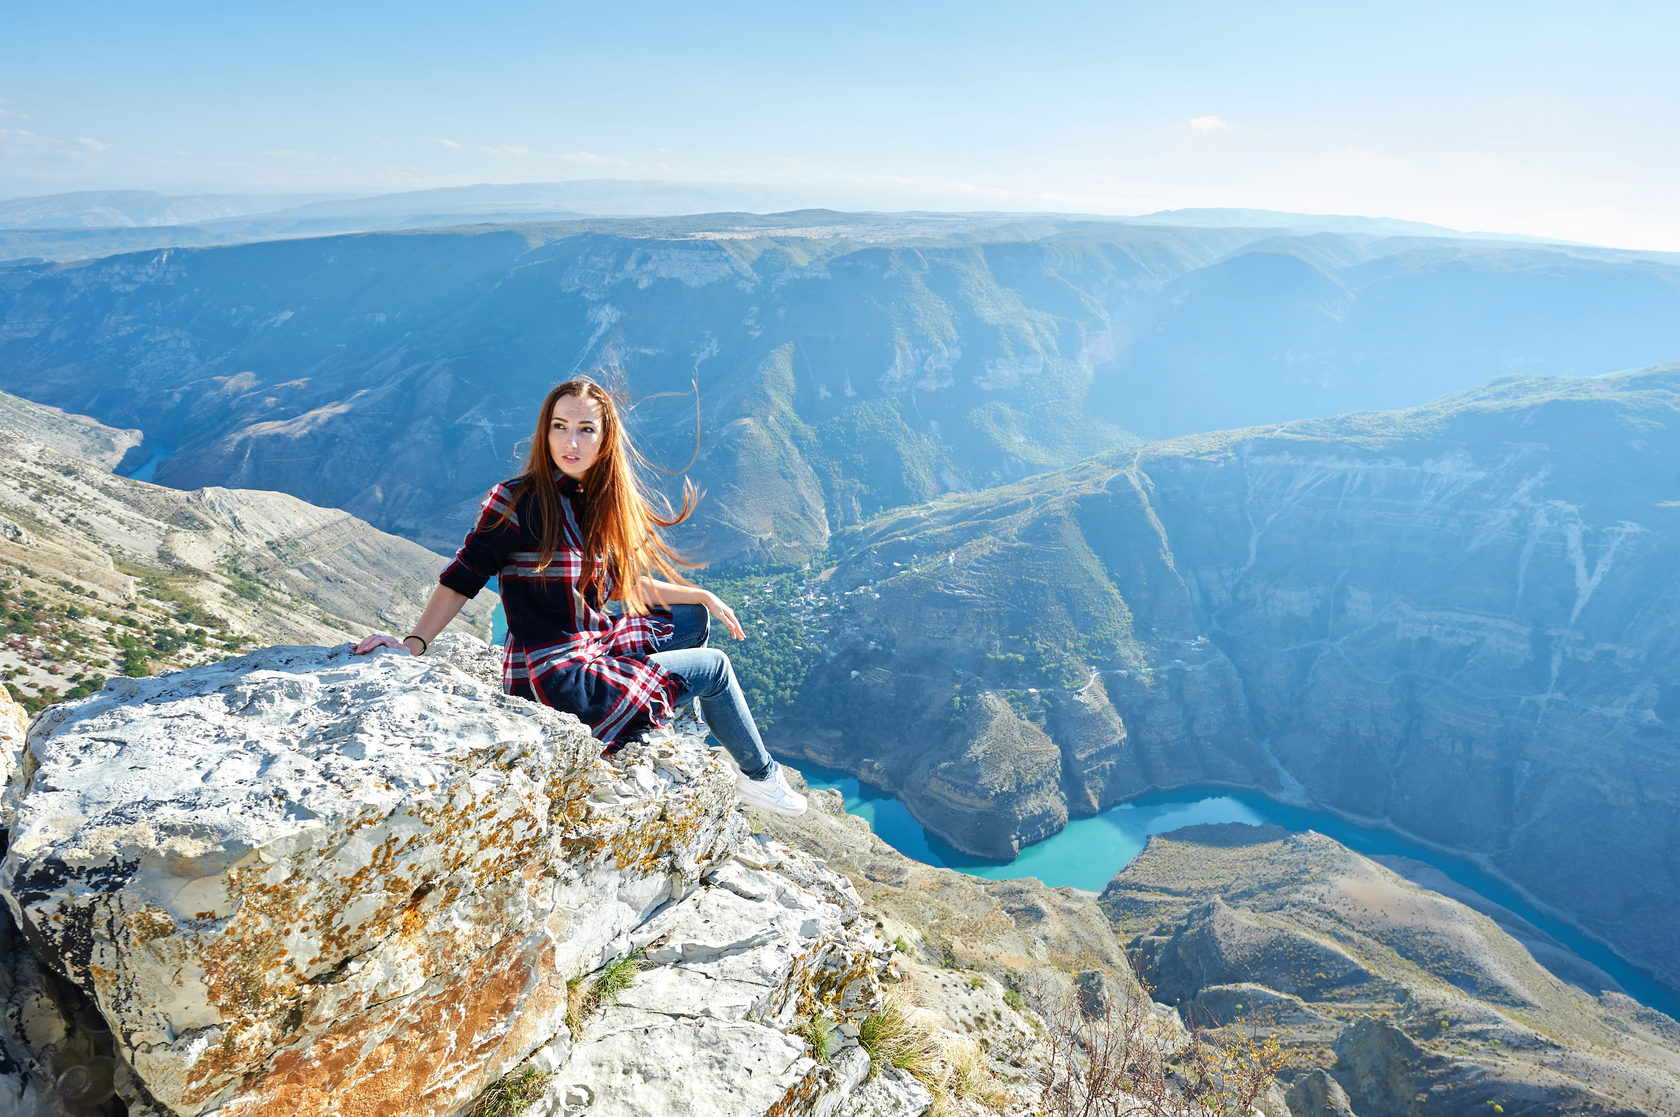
[[859, 373], [101, 575]]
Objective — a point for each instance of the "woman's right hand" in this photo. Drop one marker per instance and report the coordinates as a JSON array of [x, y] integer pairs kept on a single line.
[[379, 640], [720, 609]]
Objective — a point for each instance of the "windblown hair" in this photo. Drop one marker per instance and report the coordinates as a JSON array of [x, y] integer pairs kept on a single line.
[[620, 526]]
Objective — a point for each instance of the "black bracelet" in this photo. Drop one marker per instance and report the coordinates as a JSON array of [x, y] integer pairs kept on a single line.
[[422, 639]]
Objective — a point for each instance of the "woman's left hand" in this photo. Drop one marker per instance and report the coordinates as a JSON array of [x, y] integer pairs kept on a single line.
[[379, 640], [716, 607]]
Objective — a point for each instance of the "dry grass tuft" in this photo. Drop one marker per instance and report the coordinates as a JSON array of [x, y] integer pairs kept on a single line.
[[897, 1036], [511, 1094], [585, 995]]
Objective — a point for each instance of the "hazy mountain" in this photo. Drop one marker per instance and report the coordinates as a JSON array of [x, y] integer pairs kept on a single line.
[[120, 208], [1309, 223], [100, 223], [846, 364], [1459, 620], [394, 375]]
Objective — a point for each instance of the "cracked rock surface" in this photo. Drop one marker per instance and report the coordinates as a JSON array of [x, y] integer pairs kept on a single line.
[[771, 939]]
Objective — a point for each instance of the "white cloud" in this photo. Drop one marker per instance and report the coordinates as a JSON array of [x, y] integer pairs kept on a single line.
[[24, 132], [288, 153], [592, 159], [451, 144], [92, 144], [1208, 123], [505, 149]]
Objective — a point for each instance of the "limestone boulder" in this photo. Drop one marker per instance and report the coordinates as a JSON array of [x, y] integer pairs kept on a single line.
[[1316, 1094], [307, 882]]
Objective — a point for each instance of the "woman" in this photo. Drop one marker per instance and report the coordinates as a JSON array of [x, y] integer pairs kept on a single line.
[[578, 497]]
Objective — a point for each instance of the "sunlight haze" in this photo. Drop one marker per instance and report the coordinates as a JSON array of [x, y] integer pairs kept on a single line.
[[1548, 120]]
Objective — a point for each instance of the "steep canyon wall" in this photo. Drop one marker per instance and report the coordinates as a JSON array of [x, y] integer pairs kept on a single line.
[[1460, 621]]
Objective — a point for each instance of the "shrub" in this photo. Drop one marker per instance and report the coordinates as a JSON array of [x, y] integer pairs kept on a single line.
[[1116, 1061]]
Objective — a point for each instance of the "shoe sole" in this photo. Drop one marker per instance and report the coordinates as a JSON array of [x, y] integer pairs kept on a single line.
[[774, 809]]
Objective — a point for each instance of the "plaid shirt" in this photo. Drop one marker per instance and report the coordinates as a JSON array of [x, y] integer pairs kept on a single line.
[[562, 649]]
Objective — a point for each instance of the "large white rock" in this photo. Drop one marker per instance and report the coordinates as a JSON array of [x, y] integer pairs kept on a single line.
[[305, 882]]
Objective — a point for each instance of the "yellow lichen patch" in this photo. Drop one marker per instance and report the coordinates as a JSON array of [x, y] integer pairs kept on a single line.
[[568, 800], [418, 1058], [251, 973], [838, 979], [802, 1097], [150, 923], [642, 840]]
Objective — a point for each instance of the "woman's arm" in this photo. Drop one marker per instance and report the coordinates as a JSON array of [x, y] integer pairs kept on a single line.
[[440, 610], [664, 593]]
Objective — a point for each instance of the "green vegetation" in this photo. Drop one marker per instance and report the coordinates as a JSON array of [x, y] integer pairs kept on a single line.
[[85, 685], [615, 977], [511, 1095], [779, 653], [1030, 660], [875, 459], [584, 995], [135, 663], [816, 1032]]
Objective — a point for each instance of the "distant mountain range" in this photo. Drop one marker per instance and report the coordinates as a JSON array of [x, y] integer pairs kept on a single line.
[[594, 197], [847, 364], [88, 224], [1311, 223], [111, 209]]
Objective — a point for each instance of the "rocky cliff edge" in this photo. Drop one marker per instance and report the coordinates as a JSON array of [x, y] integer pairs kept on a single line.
[[305, 882]]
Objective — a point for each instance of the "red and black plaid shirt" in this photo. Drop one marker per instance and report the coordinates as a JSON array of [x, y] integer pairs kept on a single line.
[[562, 649]]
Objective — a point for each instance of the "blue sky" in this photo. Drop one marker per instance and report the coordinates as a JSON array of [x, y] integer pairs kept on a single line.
[[1540, 118]]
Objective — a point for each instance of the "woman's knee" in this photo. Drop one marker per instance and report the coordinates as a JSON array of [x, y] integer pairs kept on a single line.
[[719, 672]]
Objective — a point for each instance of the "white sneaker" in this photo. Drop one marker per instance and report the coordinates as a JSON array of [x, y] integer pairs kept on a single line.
[[772, 793]]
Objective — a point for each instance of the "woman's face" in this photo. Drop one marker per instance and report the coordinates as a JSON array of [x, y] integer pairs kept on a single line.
[[574, 434]]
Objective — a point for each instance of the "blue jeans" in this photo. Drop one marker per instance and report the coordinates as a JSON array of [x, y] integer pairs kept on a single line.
[[705, 673]]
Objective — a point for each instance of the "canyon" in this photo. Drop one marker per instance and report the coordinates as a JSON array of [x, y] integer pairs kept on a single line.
[[1458, 621]]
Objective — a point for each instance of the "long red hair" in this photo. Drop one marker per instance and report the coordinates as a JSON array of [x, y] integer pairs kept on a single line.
[[620, 526]]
